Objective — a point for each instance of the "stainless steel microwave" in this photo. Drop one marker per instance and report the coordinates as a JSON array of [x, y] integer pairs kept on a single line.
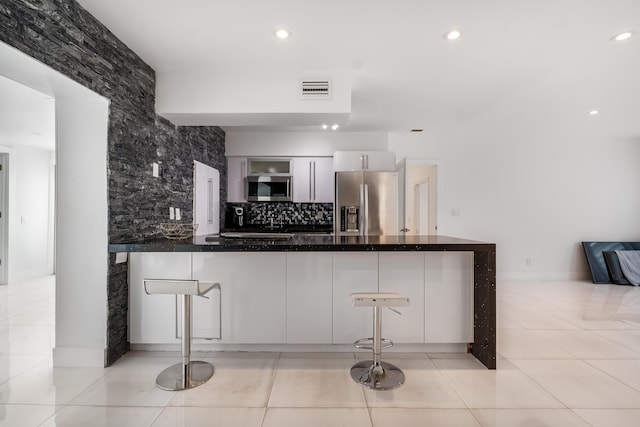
[[269, 188]]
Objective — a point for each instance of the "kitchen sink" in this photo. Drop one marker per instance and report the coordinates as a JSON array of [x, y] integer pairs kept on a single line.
[[258, 236]]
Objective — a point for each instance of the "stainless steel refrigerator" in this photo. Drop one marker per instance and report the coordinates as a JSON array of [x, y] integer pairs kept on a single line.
[[366, 204]]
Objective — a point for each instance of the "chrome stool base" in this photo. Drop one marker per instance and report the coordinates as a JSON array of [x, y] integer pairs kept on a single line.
[[377, 376], [173, 378]]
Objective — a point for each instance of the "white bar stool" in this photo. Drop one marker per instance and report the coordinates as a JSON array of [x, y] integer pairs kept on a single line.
[[187, 374], [376, 374]]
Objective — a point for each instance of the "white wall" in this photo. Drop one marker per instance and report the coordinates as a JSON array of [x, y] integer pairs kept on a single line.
[[82, 119], [536, 183], [301, 143], [30, 248]]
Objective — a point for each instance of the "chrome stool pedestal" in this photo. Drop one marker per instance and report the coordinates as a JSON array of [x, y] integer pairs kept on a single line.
[[376, 374], [186, 374]]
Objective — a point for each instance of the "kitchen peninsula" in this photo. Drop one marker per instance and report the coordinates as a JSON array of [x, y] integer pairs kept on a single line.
[[296, 291]]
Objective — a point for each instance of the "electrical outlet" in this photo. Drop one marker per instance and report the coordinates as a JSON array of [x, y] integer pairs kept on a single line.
[[178, 214], [156, 170], [172, 213], [527, 261]]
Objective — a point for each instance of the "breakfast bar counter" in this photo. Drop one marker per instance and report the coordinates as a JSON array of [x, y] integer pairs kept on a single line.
[[293, 289]]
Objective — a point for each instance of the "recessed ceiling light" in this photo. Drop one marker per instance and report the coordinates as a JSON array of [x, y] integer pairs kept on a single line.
[[325, 126], [335, 127], [594, 112], [283, 34], [452, 35], [622, 36]]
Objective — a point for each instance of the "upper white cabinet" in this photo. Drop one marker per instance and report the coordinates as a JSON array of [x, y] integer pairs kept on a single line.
[[364, 160], [313, 180], [236, 174]]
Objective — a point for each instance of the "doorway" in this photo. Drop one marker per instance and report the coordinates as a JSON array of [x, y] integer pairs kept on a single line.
[[81, 237], [420, 188]]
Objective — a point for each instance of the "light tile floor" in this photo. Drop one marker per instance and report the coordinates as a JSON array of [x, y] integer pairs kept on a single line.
[[569, 355]]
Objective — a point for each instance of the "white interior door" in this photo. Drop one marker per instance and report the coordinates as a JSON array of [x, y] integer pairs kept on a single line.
[[421, 206], [3, 221], [206, 199]]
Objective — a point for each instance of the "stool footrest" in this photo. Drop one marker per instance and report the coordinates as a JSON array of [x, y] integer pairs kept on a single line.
[[367, 343]]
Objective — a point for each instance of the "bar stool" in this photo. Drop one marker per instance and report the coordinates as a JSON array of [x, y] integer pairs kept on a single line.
[[187, 374], [376, 374]]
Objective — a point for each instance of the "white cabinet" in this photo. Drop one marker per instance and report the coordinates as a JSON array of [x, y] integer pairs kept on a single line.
[[305, 297], [206, 199], [403, 273], [253, 288], [236, 174], [449, 297], [352, 272], [313, 180], [309, 298], [155, 318], [364, 160]]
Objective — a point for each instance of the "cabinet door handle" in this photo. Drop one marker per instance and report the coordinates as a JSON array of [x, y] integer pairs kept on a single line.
[[310, 173], [314, 180], [210, 201]]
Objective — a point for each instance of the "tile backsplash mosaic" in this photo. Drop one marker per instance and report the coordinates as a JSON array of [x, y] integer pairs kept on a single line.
[[287, 213]]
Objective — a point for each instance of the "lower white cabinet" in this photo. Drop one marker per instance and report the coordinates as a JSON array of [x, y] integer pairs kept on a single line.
[[448, 297], [309, 298], [253, 289], [403, 273], [156, 319], [352, 272], [305, 297]]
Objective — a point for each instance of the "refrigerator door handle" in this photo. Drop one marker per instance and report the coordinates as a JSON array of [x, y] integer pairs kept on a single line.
[[361, 220], [365, 208]]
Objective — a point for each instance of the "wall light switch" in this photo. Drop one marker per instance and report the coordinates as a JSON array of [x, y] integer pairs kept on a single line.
[[172, 213], [121, 257], [178, 214], [455, 212], [156, 170]]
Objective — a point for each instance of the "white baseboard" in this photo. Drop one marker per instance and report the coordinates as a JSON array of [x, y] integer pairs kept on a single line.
[[543, 276], [68, 357], [23, 276], [305, 348]]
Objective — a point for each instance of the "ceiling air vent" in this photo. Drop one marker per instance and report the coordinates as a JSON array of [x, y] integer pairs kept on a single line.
[[315, 89]]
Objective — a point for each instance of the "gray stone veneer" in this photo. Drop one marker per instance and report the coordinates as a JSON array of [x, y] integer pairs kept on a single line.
[[64, 36]]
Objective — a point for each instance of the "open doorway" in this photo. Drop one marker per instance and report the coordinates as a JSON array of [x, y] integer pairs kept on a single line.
[[420, 193], [81, 225], [27, 185]]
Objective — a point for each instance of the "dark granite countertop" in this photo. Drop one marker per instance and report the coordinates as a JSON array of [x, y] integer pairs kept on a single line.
[[306, 242]]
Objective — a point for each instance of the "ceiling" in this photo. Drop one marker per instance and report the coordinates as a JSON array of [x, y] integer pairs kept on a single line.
[[403, 73], [27, 117]]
